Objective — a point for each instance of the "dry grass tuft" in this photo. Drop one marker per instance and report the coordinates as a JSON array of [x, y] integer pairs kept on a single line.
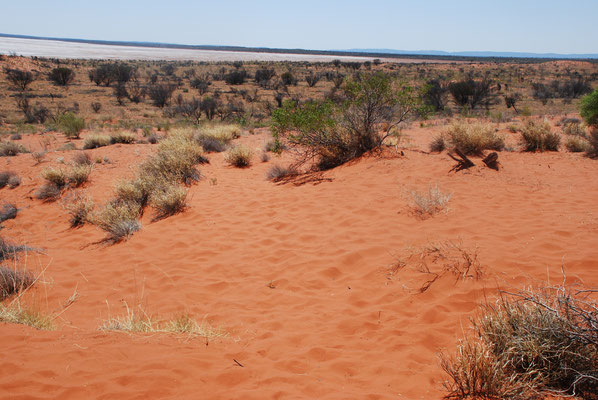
[[13, 281], [11, 149], [10, 179], [224, 133], [81, 158], [438, 144], [94, 141], [576, 144], [538, 136], [8, 211], [123, 137], [529, 344], [80, 209], [9, 250], [169, 200], [14, 313], [474, 138], [118, 219], [139, 321], [278, 172], [239, 156], [431, 202]]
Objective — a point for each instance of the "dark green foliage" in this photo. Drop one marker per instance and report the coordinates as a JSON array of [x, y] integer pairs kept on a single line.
[[62, 76], [20, 79], [589, 108]]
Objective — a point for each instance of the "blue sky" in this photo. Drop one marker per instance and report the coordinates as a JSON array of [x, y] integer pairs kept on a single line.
[[458, 25]]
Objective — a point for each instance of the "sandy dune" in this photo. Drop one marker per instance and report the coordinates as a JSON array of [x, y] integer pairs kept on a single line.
[[302, 277]]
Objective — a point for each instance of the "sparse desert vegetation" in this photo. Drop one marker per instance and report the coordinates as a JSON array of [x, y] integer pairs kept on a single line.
[[310, 209]]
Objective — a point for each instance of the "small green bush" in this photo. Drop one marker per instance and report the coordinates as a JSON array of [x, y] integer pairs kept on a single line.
[[589, 108], [70, 125]]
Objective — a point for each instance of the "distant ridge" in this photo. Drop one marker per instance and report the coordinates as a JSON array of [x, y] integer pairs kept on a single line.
[[506, 54], [378, 53]]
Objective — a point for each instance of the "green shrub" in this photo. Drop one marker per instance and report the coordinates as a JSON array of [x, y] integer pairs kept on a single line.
[[589, 108], [61, 76], [593, 143], [474, 138], [538, 136], [70, 125], [332, 134]]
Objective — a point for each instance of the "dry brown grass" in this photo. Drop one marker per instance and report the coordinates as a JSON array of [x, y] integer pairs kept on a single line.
[[137, 320], [433, 201], [528, 345], [474, 138], [538, 136], [239, 156]]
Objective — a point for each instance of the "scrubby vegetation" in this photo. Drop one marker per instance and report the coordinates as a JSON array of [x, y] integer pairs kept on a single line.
[[331, 134], [538, 136], [10, 179], [474, 138], [529, 345], [239, 156]]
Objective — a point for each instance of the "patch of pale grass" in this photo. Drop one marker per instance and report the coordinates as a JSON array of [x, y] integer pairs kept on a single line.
[[225, 133], [169, 200], [474, 138], [139, 321], [431, 202], [15, 313], [239, 156]]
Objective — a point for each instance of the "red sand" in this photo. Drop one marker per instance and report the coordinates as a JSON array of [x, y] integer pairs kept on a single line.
[[337, 324]]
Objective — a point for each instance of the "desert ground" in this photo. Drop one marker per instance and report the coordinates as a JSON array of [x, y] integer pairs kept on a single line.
[[330, 284]]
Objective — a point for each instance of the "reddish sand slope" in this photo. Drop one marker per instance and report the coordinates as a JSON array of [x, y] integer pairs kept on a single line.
[[302, 277]]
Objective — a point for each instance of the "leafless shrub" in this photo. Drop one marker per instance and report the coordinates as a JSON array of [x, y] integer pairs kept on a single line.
[[431, 202], [81, 158], [38, 156]]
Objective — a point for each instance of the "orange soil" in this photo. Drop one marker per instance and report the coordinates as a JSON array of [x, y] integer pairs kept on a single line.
[[338, 322]]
